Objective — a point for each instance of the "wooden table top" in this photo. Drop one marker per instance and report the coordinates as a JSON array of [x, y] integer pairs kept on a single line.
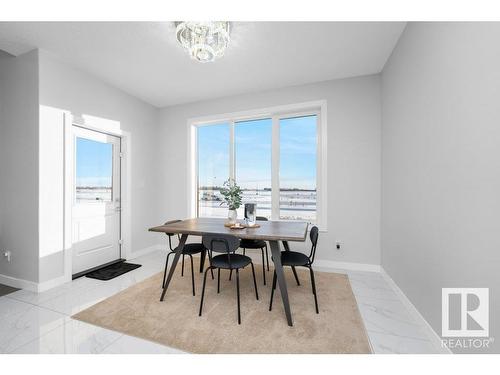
[[268, 231]]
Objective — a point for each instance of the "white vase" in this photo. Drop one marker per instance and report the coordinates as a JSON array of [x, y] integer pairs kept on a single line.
[[232, 216]]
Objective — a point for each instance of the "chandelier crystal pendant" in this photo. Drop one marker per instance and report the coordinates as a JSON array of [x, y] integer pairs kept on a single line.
[[204, 41]]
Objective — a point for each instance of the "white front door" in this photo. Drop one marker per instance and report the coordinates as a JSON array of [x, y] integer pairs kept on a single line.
[[96, 203]]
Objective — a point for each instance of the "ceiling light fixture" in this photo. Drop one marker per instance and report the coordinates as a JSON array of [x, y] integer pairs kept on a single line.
[[204, 41]]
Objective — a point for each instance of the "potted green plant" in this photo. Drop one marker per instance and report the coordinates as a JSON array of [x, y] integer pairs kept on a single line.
[[231, 193]]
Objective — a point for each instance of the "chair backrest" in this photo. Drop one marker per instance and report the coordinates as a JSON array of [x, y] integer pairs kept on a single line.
[[171, 234], [313, 236], [221, 243], [261, 218]]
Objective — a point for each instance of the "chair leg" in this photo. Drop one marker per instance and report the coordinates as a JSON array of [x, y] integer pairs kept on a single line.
[[272, 291], [165, 271], [295, 274], [182, 272], [238, 294], [230, 274], [267, 258], [192, 273], [203, 289], [203, 256], [313, 282], [218, 280], [244, 251], [263, 266], [255, 282]]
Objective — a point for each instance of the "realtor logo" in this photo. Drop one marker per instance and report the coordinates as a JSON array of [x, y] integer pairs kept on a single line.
[[465, 312]]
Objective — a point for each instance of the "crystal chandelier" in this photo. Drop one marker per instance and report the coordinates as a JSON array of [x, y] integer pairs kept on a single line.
[[204, 41]]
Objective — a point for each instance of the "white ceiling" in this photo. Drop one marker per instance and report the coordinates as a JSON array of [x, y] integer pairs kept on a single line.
[[144, 59]]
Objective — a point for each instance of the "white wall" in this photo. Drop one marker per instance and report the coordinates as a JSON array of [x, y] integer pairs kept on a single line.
[[354, 125], [441, 164], [68, 89], [35, 91], [19, 165]]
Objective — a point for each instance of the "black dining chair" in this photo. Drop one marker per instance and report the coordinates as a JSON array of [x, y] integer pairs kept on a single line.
[[189, 249], [296, 259], [257, 244], [226, 245]]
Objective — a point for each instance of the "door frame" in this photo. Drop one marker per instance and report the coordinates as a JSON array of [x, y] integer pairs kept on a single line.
[[110, 127]]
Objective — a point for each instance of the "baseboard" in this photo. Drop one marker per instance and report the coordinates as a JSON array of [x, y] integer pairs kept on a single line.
[[31, 285], [331, 266], [324, 265], [145, 251], [319, 264], [429, 331], [52, 283], [49, 284], [18, 283]]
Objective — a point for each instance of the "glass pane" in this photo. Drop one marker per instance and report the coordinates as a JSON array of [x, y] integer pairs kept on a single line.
[[252, 140], [213, 168], [298, 168], [94, 171]]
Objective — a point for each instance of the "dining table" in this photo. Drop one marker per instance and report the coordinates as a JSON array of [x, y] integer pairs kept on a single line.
[[273, 232]]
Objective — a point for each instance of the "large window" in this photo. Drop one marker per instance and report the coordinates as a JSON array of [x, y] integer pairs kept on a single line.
[[274, 159]]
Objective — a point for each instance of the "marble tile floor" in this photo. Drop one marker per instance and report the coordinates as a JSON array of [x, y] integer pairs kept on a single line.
[[41, 323]]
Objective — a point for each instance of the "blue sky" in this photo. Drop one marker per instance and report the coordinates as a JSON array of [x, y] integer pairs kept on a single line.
[[94, 163], [253, 153], [252, 142]]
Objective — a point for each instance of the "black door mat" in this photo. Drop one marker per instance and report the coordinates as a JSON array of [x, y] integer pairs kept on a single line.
[[5, 289], [112, 271]]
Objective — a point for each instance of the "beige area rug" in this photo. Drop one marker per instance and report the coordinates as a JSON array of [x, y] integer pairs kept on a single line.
[[137, 311]]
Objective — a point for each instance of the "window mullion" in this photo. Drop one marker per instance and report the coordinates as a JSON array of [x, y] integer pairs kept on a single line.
[[195, 179], [275, 169], [232, 164]]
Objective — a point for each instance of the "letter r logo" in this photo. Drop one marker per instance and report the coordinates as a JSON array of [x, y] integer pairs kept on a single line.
[[465, 312]]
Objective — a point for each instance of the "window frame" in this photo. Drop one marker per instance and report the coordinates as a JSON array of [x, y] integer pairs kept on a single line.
[[318, 108], [80, 132]]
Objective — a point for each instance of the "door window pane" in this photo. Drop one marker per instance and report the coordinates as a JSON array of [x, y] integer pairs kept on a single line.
[[252, 140], [298, 168], [94, 171], [213, 168]]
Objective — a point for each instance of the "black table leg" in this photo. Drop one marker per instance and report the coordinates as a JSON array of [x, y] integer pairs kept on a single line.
[[275, 251], [203, 255], [177, 255]]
